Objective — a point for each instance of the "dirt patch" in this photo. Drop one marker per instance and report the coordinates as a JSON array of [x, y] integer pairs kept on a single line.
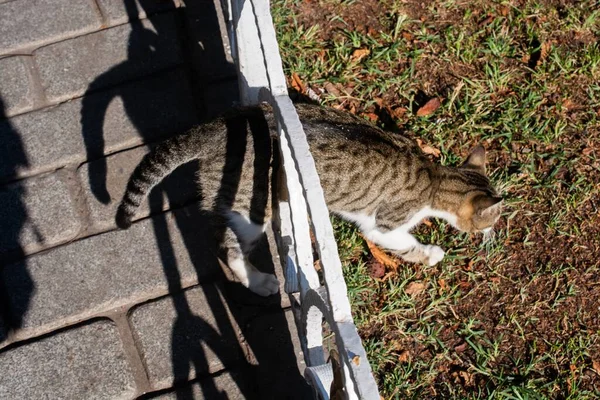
[[333, 17]]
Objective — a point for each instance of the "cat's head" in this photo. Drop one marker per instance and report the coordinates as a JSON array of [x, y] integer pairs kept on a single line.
[[480, 205]]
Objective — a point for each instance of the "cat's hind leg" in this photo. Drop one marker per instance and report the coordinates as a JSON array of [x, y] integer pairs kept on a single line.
[[240, 237]]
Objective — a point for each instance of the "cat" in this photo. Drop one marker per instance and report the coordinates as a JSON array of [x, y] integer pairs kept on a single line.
[[378, 180]]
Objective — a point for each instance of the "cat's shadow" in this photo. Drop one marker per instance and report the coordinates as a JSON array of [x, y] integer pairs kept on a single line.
[[233, 301]]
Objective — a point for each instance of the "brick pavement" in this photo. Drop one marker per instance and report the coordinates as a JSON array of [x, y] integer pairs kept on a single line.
[[87, 311]]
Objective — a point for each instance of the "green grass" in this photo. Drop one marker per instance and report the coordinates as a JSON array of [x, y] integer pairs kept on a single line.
[[516, 318]]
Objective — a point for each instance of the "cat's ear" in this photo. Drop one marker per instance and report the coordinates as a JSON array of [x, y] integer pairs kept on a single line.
[[476, 159], [485, 205]]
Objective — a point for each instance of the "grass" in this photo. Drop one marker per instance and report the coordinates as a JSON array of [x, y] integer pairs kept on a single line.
[[516, 318]]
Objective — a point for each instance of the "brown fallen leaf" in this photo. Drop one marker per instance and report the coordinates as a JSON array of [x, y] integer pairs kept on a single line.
[[467, 377], [461, 347], [381, 256], [427, 222], [414, 288], [331, 89], [429, 107], [545, 50], [399, 112], [297, 83], [427, 149], [372, 117], [443, 284], [356, 360], [596, 366], [404, 356], [359, 54], [407, 36]]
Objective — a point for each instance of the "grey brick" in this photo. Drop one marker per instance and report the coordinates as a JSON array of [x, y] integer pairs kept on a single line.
[[74, 282], [27, 23], [37, 213], [120, 118], [112, 56], [279, 374], [15, 89], [220, 96], [179, 187], [115, 11], [83, 363], [187, 335], [229, 385]]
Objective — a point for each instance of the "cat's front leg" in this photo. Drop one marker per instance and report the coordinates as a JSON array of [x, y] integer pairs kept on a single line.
[[406, 246]]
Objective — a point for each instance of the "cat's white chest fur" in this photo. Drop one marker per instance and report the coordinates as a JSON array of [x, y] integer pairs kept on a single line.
[[367, 223]]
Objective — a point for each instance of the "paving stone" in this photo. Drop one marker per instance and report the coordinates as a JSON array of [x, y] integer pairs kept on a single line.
[[15, 89], [74, 282], [37, 213], [179, 188], [117, 119], [112, 56], [117, 12], [83, 363], [27, 23], [220, 96], [279, 373], [186, 335], [227, 385]]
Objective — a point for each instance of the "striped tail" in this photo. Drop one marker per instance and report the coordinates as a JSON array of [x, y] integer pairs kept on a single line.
[[155, 166]]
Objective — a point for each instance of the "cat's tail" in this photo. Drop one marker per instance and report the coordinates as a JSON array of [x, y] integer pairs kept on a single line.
[[153, 168]]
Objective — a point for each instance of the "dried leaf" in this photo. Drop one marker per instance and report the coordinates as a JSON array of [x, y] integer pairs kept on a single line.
[[372, 117], [487, 21], [407, 36], [568, 104], [461, 347], [359, 54], [470, 264], [404, 356], [399, 112], [467, 377], [596, 366], [545, 50], [427, 149], [331, 89], [504, 11], [587, 151], [443, 284], [356, 360], [297, 83], [414, 288], [381, 256], [427, 222], [317, 265], [429, 107]]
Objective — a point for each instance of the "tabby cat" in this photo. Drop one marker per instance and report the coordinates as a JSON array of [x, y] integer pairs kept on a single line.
[[378, 180]]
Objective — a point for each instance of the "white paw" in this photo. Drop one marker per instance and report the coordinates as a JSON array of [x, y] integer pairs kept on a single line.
[[263, 284], [435, 253]]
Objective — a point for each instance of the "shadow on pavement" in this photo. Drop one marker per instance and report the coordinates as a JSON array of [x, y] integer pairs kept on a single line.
[[273, 372]]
